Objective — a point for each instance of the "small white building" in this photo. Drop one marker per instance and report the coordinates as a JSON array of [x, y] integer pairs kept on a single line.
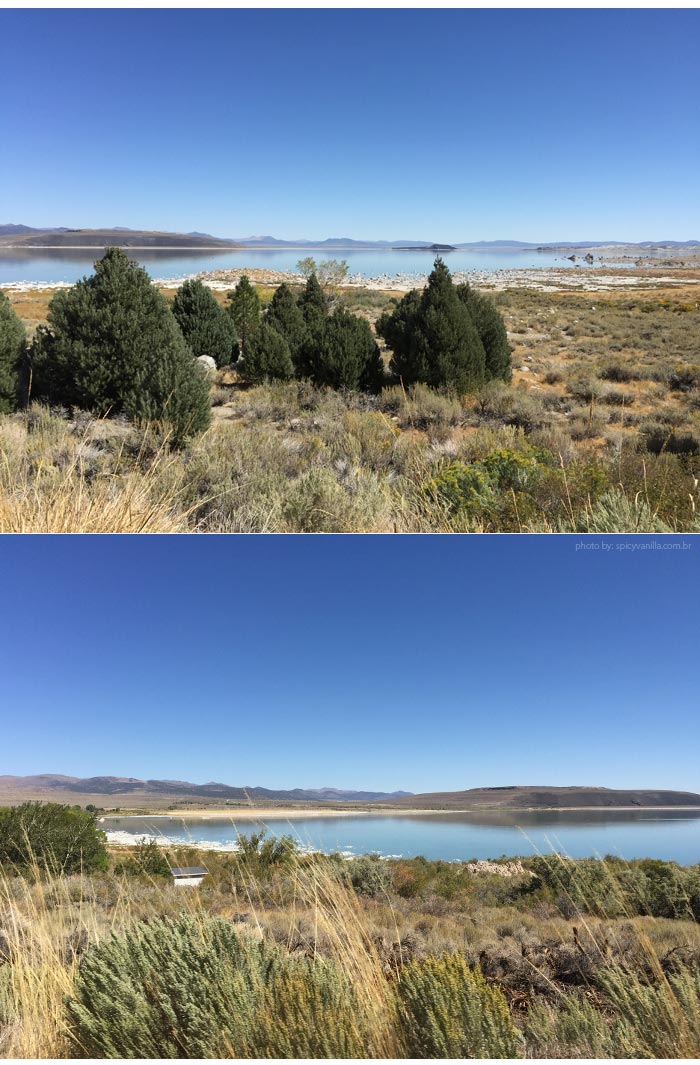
[[188, 875]]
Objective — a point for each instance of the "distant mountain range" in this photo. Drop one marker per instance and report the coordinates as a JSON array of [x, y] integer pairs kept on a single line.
[[15, 235], [132, 791], [49, 784], [516, 797]]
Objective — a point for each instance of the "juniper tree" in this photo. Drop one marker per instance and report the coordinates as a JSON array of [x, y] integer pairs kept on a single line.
[[492, 330], [12, 349], [433, 337], [284, 316], [244, 308], [267, 356], [312, 302], [113, 346], [341, 352], [205, 325]]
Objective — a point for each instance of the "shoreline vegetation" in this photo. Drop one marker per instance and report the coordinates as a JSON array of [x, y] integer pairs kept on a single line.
[[104, 956], [590, 423]]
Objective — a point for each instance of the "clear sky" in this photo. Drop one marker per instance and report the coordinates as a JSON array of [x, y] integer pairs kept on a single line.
[[418, 663], [446, 125]]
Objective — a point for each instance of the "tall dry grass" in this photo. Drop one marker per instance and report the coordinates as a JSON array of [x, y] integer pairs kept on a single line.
[[53, 480]]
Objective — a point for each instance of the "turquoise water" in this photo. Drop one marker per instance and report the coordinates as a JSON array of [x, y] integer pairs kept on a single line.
[[673, 835], [64, 264]]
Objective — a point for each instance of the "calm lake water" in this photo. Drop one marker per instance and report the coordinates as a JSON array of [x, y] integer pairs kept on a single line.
[[673, 835], [65, 264]]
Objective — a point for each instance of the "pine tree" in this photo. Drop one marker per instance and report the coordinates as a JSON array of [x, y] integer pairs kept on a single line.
[[343, 353], [492, 330], [244, 308], [206, 326], [433, 337], [12, 350], [113, 346], [284, 316], [267, 356]]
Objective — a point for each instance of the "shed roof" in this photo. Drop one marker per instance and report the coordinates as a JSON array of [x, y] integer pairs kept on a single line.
[[188, 870]]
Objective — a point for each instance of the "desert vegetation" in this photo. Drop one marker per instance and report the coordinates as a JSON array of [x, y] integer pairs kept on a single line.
[[283, 954], [330, 409]]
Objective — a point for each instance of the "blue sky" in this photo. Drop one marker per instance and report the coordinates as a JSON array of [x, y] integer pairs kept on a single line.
[[446, 125], [418, 663]]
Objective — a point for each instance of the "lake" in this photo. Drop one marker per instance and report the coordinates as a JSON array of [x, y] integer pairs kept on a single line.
[[69, 264], [672, 835]]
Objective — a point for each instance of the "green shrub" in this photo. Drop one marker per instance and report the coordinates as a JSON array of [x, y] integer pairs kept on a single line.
[[12, 348], [62, 839], [146, 859], [433, 337], [244, 308], [267, 357], [684, 377], [197, 989], [206, 326], [340, 351], [461, 487], [369, 876], [286, 318], [492, 330], [114, 346], [662, 439], [448, 1010]]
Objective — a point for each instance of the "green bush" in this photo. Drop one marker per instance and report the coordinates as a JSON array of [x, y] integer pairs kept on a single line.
[[12, 348], [433, 337], [369, 876], [267, 357], [684, 377], [206, 326], [492, 330], [197, 989], [146, 859], [286, 318], [113, 346], [461, 487], [448, 1010], [244, 309], [340, 351], [62, 839]]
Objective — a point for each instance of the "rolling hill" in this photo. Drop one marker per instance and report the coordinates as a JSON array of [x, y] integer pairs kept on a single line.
[[515, 797], [117, 237]]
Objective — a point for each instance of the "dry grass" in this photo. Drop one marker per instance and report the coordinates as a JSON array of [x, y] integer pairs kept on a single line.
[[605, 385], [51, 481], [603, 986]]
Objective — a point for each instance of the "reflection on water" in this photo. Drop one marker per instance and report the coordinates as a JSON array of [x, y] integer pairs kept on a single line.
[[673, 835], [69, 264]]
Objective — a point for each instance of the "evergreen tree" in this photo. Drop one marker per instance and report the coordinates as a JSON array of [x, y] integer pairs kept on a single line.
[[398, 329], [12, 350], [433, 337], [206, 326], [244, 308], [342, 352], [267, 356], [492, 330], [312, 303], [284, 316], [114, 346]]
